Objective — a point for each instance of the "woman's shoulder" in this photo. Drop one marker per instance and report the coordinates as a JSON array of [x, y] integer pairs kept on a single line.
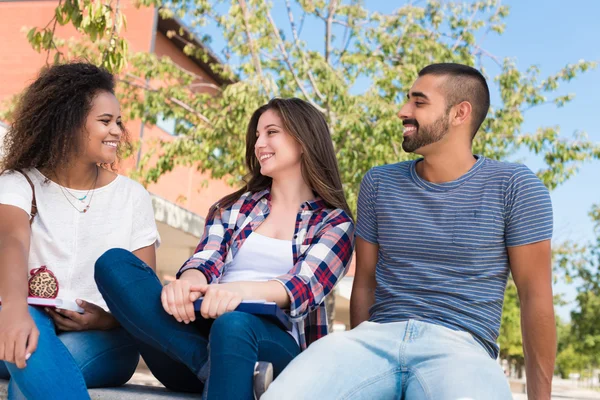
[[124, 182], [15, 179], [336, 216]]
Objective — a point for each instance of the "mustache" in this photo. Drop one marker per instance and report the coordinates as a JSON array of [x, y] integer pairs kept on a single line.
[[411, 121]]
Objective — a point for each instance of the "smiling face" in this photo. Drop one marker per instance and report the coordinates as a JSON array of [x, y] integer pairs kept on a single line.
[[103, 129], [425, 115], [276, 150]]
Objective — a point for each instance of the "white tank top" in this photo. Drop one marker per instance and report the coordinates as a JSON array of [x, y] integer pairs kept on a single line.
[[261, 258]]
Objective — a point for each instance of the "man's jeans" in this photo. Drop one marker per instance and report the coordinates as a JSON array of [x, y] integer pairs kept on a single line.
[[179, 355], [65, 364], [409, 360]]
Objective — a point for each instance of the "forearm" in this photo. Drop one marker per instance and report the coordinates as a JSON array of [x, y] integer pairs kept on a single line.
[[360, 302], [539, 344], [268, 291], [195, 276], [13, 272]]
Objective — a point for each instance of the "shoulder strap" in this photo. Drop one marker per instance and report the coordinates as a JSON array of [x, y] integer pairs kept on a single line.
[[34, 209]]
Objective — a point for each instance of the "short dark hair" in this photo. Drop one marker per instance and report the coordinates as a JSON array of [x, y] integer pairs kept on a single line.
[[464, 84], [51, 113]]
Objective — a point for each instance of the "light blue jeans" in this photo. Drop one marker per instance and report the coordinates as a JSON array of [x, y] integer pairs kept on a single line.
[[65, 364], [409, 360]]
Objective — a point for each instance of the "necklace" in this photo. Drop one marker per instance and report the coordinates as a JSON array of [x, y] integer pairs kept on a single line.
[[81, 199]]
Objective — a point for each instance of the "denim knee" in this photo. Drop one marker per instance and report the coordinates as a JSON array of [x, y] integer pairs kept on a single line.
[[110, 259], [231, 325], [110, 265]]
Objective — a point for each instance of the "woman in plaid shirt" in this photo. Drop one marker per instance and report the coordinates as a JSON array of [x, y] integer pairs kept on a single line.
[[285, 237]]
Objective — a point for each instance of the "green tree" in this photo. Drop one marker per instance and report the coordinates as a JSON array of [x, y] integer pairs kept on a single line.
[[569, 358], [267, 60], [266, 57], [510, 341], [585, 319]]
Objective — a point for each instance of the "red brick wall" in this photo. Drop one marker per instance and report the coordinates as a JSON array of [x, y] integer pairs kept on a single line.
[[20, 64]]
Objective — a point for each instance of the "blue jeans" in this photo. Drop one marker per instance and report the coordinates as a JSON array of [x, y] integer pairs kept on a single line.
[[409, 360], [221, 353], [65, 364]]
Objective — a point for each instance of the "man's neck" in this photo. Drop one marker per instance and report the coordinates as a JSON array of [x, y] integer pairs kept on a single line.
[[445, 166]]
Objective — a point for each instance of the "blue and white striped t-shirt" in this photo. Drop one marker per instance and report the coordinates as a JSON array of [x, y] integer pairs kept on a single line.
[[442, 247]]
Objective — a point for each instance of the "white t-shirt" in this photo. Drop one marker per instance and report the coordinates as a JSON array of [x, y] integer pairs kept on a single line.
[[261, 258], [69, 242]]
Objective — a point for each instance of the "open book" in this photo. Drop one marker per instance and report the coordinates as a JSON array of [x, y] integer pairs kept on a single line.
[[54, 303], [260, 307]]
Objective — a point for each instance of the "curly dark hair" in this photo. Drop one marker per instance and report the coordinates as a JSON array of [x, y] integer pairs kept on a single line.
[[51, 115]]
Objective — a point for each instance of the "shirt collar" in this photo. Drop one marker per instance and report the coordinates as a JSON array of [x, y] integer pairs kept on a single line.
[[314, 205]]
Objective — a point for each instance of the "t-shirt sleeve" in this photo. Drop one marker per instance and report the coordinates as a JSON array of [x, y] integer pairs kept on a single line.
[[528, 209], [15, 191], [145, 232], [366, 226]]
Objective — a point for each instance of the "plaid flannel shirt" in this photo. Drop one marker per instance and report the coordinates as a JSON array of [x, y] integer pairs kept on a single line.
[[322, 246]]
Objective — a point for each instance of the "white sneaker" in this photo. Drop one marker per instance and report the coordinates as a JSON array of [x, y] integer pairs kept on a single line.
[[263, 376]]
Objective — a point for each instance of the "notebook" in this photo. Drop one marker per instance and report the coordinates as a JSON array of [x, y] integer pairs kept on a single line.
[[54, 303], [260, 307]]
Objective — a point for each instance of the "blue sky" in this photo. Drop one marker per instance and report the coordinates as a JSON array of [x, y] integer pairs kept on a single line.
[[549, 34]]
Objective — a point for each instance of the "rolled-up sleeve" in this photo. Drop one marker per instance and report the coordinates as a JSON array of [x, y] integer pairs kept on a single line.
[[211, 252], [321, 266]]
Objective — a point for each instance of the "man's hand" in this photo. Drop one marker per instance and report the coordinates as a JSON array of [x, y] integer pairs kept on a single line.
[[93, 318], [18, 335]]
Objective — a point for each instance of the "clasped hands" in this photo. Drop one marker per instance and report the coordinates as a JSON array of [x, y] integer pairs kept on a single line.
[[178, 299]]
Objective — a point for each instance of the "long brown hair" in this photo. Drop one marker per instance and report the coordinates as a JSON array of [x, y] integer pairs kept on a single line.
[[319, 163]]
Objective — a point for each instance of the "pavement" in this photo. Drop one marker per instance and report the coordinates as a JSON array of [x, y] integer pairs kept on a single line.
[[143, 386]]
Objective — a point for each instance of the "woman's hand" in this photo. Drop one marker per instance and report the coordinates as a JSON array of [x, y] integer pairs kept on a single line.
[[178, 296], [18, 335], [93, 318], [220, 298]]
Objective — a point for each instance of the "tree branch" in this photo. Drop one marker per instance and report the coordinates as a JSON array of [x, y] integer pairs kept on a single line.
[[348, 35], [490, 29], [113, 31], [331, 13], [255, 59], [53, 31], [172, 99], [302, 56], [480, 51], [291, 68], [208, 85], [467, 27]]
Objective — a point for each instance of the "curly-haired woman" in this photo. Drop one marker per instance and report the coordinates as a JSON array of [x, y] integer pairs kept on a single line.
[[59, 156]]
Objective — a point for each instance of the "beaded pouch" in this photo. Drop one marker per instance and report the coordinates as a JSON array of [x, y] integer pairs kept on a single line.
[[43, 284]]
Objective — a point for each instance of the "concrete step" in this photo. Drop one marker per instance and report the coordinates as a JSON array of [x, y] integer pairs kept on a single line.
[[129, 391]]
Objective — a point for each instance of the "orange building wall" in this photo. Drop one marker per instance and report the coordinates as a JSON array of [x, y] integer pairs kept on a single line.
[[20, 64]]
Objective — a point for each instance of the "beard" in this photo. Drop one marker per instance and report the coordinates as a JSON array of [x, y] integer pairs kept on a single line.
[[425, 135]]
